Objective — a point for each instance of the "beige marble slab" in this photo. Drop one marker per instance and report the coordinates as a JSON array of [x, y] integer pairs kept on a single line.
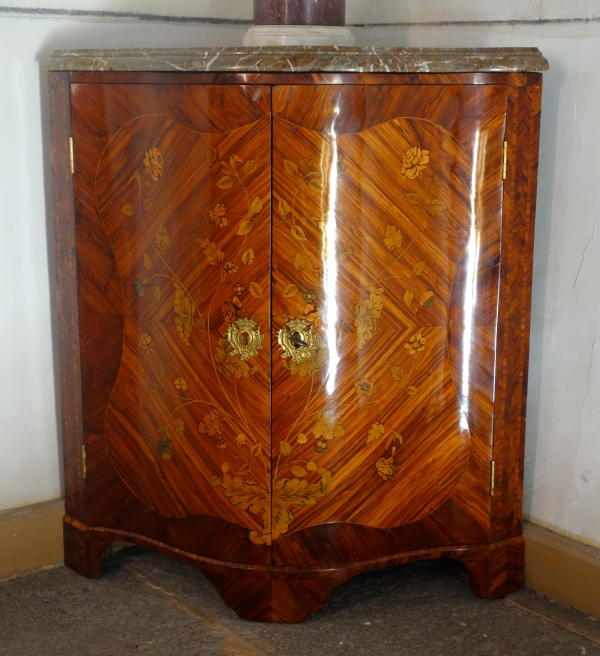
[[304, 59]]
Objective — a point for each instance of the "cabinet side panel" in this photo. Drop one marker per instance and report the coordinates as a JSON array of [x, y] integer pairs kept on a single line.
[[523, 127], [66, 291]]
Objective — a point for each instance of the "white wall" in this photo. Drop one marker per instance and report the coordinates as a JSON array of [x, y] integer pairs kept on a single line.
[[562, 487]]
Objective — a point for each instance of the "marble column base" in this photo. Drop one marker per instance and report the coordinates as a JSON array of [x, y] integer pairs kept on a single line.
[[298, 35]]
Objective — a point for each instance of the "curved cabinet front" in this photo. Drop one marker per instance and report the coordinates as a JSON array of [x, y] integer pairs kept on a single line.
[[289, 307]]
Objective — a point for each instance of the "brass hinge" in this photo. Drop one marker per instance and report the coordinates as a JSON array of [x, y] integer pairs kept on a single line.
[[492, 477], [505, 160], [71, 155], [84, 461]]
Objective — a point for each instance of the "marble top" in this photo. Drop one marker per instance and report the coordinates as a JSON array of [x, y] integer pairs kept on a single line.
[[304, 59]]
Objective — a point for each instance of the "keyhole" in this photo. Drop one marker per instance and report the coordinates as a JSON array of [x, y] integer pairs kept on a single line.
[[297, 341], [244, 338]]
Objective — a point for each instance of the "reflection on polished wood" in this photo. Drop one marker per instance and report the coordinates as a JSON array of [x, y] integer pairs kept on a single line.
[[301, 315]]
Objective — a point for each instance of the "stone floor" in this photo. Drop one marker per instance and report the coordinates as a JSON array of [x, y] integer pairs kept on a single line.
[[145, 603]]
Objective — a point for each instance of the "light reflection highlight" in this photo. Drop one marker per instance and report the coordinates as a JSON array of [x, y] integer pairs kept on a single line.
[[330, 270], [470, 302]]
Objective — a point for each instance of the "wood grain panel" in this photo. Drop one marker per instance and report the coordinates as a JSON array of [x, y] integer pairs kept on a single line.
[[67, 305], [392, 451]]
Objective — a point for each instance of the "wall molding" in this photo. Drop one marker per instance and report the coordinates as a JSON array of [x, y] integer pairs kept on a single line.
[[44, 12], [560, 568], [31, 537]]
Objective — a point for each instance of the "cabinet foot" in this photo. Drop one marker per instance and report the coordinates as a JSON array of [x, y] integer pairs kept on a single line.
[[260, 597], [84, 550], [499, 571]]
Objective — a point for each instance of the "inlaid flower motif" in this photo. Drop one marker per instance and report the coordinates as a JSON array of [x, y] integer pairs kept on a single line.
[[212, 424], [240, 440], [230, 267], [180, 383], [179, 426], [232, 309], [162, 238], [393, 238], [238, 289], [212, 156], [138, 287], [364, 388], [427, 299], [387, 468], [327, 427], [415, 344], [312, 315], [221, 443], [165, 449], [301, 439], [415, 160], [154, 163], [321, 446], [146, 343], [310, 297], [218, 216]]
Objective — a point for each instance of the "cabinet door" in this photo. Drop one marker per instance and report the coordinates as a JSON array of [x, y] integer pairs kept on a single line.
[[386, 232], [172, 188]]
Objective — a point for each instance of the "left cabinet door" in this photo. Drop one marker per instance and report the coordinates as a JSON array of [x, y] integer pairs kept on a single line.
[[172, 187]]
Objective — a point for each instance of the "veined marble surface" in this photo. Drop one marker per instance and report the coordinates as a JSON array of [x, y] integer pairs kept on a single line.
[[304, 59]]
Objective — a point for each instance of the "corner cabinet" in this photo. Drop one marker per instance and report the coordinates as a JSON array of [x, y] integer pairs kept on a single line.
[[294, 316]]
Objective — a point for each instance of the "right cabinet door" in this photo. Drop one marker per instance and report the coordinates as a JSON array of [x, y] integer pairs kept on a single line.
[[386, 242]]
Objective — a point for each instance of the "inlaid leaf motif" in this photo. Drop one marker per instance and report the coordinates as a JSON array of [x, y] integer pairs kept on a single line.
[[250, 166], [397, 372], [225, 467], [212, 424], [290, 167], [327, 427], [409, 296], [256, 450], [438, 205], [289, 291], [147, 204], [315, 185], [179, 426], [415, 199], [233, 159], [284, 208], [245, 228], [248, 257], [231, 364], [298, 233], [156, 292], [411, 391], [300, 262], [184, 314], [242, 470], [393, 238], [418, 268], [377, 430], [300, 472], [147, 261], [256, 290], [285, 448], [213, 253], [293, 493], [256, 205], [129, 210], [366, 315], [162, 238], [154, 163], [226, 182]]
